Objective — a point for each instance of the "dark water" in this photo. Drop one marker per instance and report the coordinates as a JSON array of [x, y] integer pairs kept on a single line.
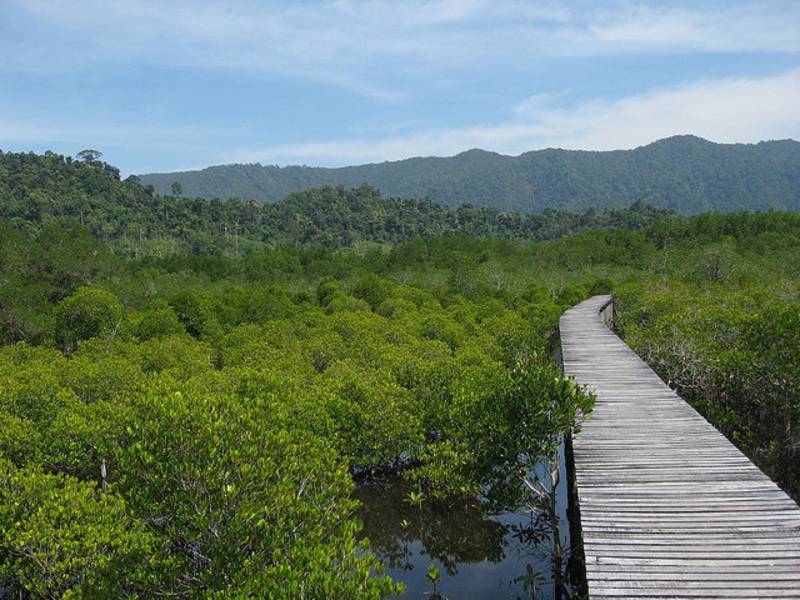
[[479, 555]]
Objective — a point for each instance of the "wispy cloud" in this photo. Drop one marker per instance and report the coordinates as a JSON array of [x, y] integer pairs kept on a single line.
[[731, 27], [372, 47], [533, 105], [725, 110]]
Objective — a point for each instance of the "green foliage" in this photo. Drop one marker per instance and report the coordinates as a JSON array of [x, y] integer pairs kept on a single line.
[[181, 355], [158, 322], [603, 285], [193, 313], [89, 155], [239, 513], [42, 269], [327, 288], [570, 295], [372, 289], [20, 439], [61, 538], [342, 303], [376, 420], [86, 314], [433, 575]]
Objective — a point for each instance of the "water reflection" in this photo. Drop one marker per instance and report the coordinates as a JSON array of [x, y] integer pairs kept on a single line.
[[479, 555]]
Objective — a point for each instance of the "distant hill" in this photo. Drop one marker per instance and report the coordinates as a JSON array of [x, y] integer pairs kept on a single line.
[[684, 173]]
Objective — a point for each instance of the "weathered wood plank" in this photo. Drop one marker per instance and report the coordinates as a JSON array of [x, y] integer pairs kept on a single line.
[[669, 508]]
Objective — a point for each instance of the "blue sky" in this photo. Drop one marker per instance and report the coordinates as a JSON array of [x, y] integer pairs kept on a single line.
[[171, 84]]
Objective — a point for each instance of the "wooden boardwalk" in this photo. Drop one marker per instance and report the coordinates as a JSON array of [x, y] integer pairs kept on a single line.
[[669, 508]]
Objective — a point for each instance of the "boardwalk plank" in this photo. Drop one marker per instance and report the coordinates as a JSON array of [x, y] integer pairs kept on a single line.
[[669, 508]]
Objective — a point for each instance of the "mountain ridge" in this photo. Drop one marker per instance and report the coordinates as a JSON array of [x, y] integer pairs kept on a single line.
[[685, 173]]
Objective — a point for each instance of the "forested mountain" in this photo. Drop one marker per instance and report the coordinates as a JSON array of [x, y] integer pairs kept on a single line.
[[36, 191], [684, 173]]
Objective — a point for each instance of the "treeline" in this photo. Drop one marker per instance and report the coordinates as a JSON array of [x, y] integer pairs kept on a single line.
[[41, 268], [36, 191]]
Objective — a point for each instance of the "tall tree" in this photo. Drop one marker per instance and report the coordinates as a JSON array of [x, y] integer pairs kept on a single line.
[[89, 155]]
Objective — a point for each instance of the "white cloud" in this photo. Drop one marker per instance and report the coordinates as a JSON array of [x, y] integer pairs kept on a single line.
[[725, 110]]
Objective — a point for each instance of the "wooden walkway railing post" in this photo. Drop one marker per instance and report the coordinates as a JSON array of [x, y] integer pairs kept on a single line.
[[669, 508]]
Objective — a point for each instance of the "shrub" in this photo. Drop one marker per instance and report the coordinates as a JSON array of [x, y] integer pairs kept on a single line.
[[600, 286], [87, 313], [342, 303], [193, 312], [328, 287], [570, 295], [371, 289], [377, 421], [20, 440], [60, 538], [244, 498], [158, 322]]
